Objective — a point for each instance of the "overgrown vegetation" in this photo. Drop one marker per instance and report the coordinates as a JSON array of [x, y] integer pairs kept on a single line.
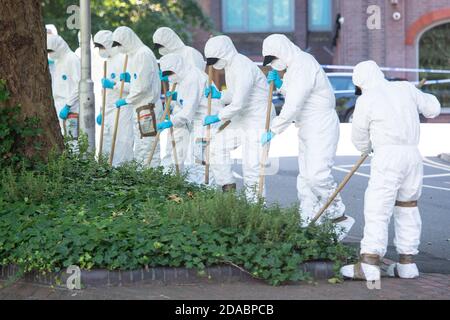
[[75, 210], [15, 133], [144, 16]]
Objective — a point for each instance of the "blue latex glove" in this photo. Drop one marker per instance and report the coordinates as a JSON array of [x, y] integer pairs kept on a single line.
[[267, 137], [273, 76], [173, 94], [211, 120], [125, 77], [121, 103], [108, 84], [164, 125], [216, 94], [50, 62], [64, 113], [165, 79], [99, 119]]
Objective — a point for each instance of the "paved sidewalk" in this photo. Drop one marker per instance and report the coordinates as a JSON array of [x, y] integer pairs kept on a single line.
[[428, 286]]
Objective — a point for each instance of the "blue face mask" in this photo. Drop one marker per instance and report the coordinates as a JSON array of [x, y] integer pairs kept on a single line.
[[51, 62]]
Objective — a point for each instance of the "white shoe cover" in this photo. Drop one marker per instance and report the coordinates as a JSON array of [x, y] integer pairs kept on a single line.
[[372, 273], [344, 227], [405, 271]]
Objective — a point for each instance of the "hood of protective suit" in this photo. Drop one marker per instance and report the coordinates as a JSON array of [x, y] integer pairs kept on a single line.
[[278, 45], [128, 39], [175, 63], [51, 29], [58, 45], [367, 75], [168, 39], [105, 38], [221, 47]]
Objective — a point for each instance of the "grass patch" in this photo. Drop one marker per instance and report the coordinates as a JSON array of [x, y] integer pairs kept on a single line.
[[76, 211]]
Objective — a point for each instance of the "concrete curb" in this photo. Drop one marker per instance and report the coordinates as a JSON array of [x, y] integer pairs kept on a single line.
[[445, 157], [319, 270]]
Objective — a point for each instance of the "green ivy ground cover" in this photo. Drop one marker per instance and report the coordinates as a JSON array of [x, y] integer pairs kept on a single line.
[[75, 211]]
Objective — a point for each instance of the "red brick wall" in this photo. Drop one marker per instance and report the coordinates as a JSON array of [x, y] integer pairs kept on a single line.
[[392, 45]]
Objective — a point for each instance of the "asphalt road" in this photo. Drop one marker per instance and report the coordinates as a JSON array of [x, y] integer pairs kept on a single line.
[[434, 205]]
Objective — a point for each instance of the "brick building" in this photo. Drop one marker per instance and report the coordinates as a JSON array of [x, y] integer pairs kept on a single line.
[[392, 40]]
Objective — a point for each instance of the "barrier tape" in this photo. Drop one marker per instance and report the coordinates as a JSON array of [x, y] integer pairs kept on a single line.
[[341, 67], [338, 67], [429, 82]]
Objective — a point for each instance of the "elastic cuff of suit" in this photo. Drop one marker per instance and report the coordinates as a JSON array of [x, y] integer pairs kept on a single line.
[[406, 204]]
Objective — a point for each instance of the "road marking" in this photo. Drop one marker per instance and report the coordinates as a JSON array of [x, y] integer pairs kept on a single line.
[[237, 175], [437, 188], [352, 165], [347, 171], [368, 176], [435, 167], [437, 175], [435, 164]]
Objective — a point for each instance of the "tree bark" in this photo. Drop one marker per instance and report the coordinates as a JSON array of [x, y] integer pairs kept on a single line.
[[24, 66]]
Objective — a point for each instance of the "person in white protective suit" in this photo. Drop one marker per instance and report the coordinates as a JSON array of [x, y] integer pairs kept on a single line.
[[51, 29], [245, 101], [103, 40], [65, 81], [386, 120], [145, 89], [189, 110], [167, 41], [310, 102]]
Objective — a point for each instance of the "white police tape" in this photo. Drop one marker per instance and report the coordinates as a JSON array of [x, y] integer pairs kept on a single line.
[[338, 67], [341, 67], [434, 81], [429, 82]]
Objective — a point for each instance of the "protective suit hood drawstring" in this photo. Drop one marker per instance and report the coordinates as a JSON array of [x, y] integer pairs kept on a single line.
[[168, 39], [58, 45], [221, 47], [128, 39], [368, 75], [278, 45]]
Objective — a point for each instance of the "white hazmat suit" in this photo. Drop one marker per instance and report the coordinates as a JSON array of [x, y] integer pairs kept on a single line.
[[386, 120], [115, 62], [145, 87], [245, 101], [188, 113], [170, 42], [310, 102], [51, 29], [65, 82]]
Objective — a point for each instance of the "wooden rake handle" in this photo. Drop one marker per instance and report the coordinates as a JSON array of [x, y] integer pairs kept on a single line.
[[266, 148], [116, 123], [165, 114], [102, 131], [340, 187], [208, 129]]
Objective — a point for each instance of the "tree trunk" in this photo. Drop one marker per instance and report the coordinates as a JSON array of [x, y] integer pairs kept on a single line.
[[24, 66]]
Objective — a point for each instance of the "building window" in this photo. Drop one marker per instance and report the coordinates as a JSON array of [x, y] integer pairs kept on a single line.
[[319, 15], [258, 15]]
